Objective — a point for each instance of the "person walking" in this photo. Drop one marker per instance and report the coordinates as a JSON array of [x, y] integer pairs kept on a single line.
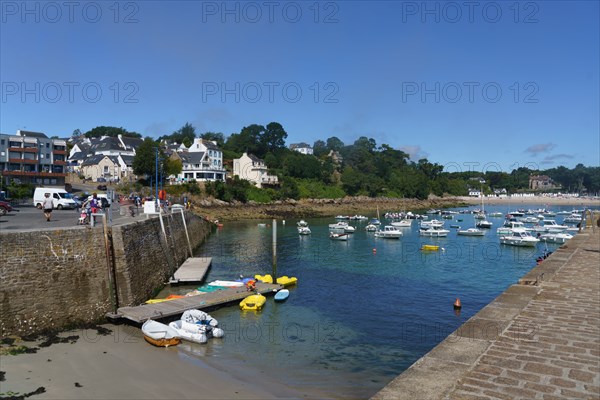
[[47, 206]]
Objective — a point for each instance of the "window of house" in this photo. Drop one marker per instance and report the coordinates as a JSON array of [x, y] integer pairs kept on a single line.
[[47, 155], [47, 145], [2, 142]]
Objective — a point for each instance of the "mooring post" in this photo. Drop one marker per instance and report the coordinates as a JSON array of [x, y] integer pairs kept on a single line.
[[274, 261]]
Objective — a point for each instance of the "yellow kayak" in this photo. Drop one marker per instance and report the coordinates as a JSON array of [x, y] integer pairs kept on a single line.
[[430, 247], [253, 302]]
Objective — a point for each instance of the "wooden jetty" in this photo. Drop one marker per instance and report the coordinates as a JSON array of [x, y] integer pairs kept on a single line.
[[208, 300], [192, 270]]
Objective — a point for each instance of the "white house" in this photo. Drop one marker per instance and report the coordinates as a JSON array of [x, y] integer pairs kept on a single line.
[[253, 169], [202, 161], [303, 148]]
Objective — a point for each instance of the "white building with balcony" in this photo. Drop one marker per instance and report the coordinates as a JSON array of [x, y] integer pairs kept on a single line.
[[202, 161], [303, 148], [253, 169]]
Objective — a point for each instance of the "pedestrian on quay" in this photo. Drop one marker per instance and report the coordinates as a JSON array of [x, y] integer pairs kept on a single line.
[[47, 206]]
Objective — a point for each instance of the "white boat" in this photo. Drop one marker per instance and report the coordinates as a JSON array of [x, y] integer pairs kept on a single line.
[[485, 224], [338, 236], [343, 226], [531, 220], [519, 237], [433, 231], [389, 232], [195, 336], [508, 227], [558, 237], [405, 223], [496, 214], [375, 221], [432, 223], [304, 230], [196, 326], [371, 228], [159, 334], [470, 232], [342, 217], [359, 218], [573, 219], [302, 223]]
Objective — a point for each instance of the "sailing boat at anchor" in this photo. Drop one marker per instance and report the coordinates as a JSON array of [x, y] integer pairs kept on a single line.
[[482, 223]]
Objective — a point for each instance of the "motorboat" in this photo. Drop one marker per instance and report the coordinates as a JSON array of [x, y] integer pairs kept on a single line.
[[484, 224], [389, 232], [432, 223], [359, 218], [519, 237], [304, 230], [552, 225], [470, 232], [302, 223], [508, 227], [495, 214], [405, 223], [342, 226], [375, 221], [433, 231], [338, 236], [371, 228], [558, 237], [573, 219]]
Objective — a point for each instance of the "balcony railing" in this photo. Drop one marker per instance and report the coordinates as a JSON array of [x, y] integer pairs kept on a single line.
[[33, 173], [23, 161], [57, 151], [25, 149]]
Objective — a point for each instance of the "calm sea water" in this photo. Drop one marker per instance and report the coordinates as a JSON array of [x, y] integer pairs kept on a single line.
[[363, 311]]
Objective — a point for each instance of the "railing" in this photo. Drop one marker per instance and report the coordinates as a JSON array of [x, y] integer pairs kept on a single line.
[[33, 173], [23, 160], [25, 149]]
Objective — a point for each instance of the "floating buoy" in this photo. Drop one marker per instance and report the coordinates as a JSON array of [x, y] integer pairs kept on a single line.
[[457, 305], [374, 251]]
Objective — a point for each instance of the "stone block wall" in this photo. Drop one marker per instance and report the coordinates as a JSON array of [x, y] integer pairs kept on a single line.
[[53, 278]]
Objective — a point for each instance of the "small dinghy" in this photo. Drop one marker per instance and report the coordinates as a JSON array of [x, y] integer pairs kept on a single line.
[[159, 334], [282, 295]]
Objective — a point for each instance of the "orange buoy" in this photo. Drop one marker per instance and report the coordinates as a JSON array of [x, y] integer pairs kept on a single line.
[[457, 304]]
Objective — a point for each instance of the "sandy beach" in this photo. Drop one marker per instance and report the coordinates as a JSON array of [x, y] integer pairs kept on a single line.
[[121, 365], [538, 201]]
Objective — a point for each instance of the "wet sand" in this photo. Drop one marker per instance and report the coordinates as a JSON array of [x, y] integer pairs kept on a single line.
[[122, 365]]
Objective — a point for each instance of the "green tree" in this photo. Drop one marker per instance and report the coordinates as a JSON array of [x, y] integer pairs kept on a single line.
[[335, 144], [216, 136], [111, 131], [272, 138], [144, 162], [172, 166], [320, 148]]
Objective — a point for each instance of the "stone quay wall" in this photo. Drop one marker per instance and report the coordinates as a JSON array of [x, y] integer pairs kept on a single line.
[[55, 278]]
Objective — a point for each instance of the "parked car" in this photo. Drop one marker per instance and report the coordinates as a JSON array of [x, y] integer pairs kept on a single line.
[[101, 180], [101, 187], [5, 207]]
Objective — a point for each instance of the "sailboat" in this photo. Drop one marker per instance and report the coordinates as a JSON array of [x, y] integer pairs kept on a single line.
[[483, 223]]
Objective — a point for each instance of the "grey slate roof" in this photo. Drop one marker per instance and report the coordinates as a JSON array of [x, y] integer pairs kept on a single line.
[[128, 160], [80, 155], [255, 159], [132, 143], [191, 157], [94, 160]]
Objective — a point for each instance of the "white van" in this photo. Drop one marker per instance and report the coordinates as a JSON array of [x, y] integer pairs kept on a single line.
[[60, 198]]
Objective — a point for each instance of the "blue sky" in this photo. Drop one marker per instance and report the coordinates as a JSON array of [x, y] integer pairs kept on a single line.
[[481, 85]]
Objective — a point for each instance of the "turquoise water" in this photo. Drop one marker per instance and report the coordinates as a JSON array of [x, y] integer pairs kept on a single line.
[[364, 310]]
